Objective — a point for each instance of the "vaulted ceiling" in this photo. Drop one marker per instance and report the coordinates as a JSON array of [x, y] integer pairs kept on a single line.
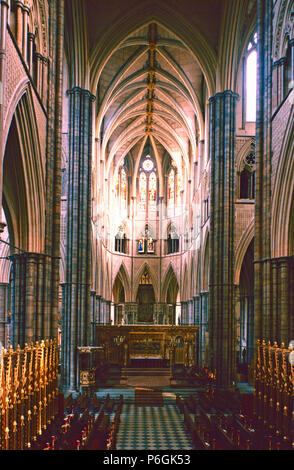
[[150, 86], [152, 65]]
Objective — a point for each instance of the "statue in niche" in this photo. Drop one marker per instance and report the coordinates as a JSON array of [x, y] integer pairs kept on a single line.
[[146, 243], [141, 245], [150, 245]]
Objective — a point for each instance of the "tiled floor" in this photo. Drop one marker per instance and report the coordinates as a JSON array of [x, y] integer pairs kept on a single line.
[[150, 427]]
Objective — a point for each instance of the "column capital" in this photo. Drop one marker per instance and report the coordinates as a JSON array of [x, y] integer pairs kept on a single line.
[[222, 95], [81, 91], [26, 9], [25, 255], [281, 61], [4, 3], [38, 56]]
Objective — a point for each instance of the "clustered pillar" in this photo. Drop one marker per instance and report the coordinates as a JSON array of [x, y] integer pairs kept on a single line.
[[27, 298], [76, 315], [221, 287]]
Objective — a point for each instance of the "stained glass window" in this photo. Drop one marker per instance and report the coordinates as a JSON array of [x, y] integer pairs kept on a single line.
[[116, 186], [123, 182], [171, 188], [152, 189], [141, 245], [146, 243], [143, 191], [148, 165]]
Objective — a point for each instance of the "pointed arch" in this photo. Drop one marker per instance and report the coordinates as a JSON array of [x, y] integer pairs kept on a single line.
[[170, 283], [205, 264], [184, 296], [123, 277], [143, 268], [241, 250], [283, 195], [23, 177]]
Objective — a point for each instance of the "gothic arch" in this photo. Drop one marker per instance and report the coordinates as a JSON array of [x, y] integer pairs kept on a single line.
[[138, 277], [107, 286], [184, 283], [123, 276], [205, 264], [170, 279], [283, 28], [283, 195], [26, 205], [241, 250], [5, 264], [246, 148]]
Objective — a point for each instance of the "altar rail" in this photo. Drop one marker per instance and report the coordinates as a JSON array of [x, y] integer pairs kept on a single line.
[[274, 389], [28, 393]]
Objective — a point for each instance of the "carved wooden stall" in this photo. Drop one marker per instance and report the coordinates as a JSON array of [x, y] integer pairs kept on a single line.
[[274, 388], [28, 393]]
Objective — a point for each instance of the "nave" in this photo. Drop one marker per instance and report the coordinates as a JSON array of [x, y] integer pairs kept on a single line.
[[146, 222], [131, 418]]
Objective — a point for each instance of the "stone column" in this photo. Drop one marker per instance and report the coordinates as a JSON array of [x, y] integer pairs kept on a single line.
[[282, 270], [98, 309], [203, 324], [108, 308], [291, 44], [44, 66], [19, 24], [102, 311], [26, 12], [3, 33], [184, 311], [263, 320], [39, 70], [53, 168], [78, 248], [31, 38], [4, 306], [191, 312], [92, 317], [196, 310], [27, 298], [222, 219]]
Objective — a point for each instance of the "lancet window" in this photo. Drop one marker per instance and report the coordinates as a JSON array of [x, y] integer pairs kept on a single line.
[[147, 185], [251, 78]]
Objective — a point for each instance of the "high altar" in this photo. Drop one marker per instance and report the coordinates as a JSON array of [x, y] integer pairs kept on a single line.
[[125, 345]]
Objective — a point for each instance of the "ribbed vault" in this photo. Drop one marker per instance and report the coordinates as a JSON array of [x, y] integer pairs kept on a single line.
[[152, 86]]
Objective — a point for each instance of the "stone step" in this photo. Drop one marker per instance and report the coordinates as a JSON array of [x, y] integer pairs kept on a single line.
[[145, 372]]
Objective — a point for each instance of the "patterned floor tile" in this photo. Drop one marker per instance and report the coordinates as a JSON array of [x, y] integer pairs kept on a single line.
[[152, 428]]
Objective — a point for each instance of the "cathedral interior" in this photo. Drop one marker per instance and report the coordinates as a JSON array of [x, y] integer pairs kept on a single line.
[[147, 224]]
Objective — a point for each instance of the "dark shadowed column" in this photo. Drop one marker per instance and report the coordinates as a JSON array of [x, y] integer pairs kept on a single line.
[[76, 314], [221, 288], [264, 314]]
